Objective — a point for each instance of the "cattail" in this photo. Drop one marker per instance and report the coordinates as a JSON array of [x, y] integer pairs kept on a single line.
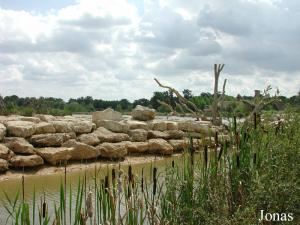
[[192, 150], [255, 120], [142, 181], [173, 164], [238, 161], [89, 205], [44, 208], [154, 180], [205, 156], [120, 182], [234, 125], [220, 153], [130, 176], [254, 158], [113, 176]]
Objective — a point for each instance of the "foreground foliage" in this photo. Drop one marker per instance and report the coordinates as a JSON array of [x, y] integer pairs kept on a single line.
[[258, 170]]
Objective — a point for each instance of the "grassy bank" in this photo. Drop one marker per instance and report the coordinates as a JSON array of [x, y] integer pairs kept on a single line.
[[257, 170]]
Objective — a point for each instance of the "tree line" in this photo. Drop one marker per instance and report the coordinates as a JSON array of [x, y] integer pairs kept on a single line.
[[56, 106]]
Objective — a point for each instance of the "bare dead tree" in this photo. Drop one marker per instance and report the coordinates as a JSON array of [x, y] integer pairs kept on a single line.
[[218, 100], [183, 104], [260, 102]]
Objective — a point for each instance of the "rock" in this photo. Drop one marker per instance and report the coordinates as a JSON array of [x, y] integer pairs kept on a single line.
[[44, 128], [55, 156], [159, 125], [20, 161], [50, 140], [3, 165], [143, 113], [30, 119], [20, 128], [105, 135], [133, 124], [185, 126], [175, 134], [5, 153], [138, 135], [178, 145], [82, 127], [81, 151], [157, 134], [136, 147], [2, 131], [172, 125], [112, 150], [114, 126], [89, 139], [62, 126], [45, 118], [160, 146], [107, 114], [203, 128], [19, 145]]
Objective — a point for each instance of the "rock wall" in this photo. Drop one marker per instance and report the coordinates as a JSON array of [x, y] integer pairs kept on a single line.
[[33, 141]]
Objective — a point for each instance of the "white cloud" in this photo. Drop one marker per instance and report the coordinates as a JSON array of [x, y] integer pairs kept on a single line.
[[110, 50]]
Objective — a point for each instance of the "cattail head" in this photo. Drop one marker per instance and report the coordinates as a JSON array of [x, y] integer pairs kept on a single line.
[[154, 180], [89, 205]]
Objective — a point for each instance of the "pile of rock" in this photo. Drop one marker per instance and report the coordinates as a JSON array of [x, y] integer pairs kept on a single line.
[[32, 141]]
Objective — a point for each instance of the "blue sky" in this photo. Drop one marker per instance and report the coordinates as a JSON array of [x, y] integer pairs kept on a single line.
[[112, 49]]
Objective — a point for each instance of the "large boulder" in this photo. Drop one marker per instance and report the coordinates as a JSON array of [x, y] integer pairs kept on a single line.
[[3, 165], [62, 126], [2, 131], [138, 135], [82, 127], [55, 156], [20, 161], [112, 150], [157, 134], [50, 140], [136, 147], [45, 118], [19, 145], [105, 135], [160, 146], [81, 151], [20, 128], [107, 114], [178, 145], [203, 128], [30, 119], [44, 128], [5, 153], [134, 124], [143, 113], [185, 126], [89, 139], [114, 126], [172, 125], [175, 134], [158, 125]]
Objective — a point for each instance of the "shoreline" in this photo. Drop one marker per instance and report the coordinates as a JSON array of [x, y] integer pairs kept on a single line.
[[47, 170]]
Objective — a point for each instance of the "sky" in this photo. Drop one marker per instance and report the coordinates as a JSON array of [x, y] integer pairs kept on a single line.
[[113, 49]]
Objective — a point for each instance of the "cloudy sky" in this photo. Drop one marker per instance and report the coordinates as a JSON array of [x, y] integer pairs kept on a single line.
[[112, 49]]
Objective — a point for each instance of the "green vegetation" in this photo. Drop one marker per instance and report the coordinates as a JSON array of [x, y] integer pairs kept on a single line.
[[56, 106], [258, 169]]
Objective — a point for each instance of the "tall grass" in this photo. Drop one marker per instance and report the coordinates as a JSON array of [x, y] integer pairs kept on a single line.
[[258, 169]]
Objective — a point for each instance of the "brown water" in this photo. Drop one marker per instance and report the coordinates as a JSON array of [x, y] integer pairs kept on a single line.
[[47, 182]]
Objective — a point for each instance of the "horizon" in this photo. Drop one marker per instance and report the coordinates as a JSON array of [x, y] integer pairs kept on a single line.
[[113, 49]]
